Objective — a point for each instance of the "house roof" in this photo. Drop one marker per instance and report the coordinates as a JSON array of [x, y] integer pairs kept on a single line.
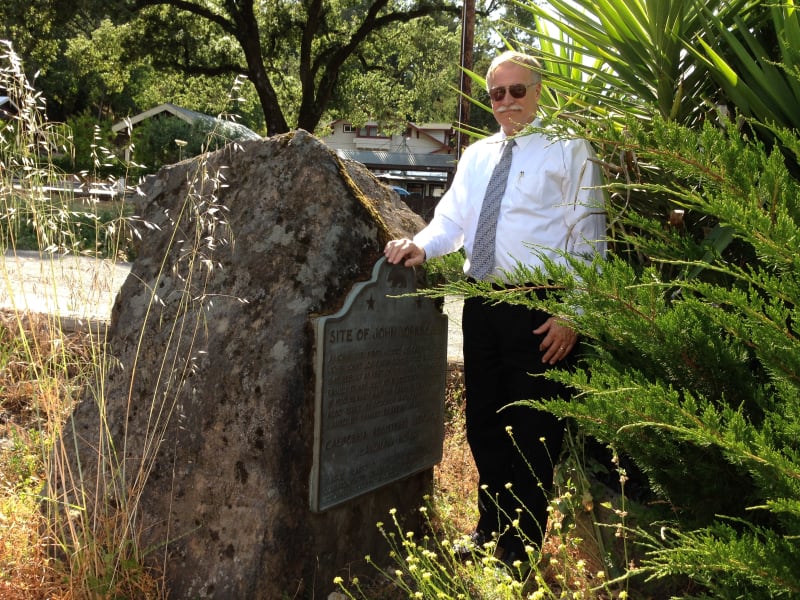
[[403, 161], [230, 129], [443, 126]]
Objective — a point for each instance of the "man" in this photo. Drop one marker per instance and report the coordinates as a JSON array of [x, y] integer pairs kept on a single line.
[[548, 205]]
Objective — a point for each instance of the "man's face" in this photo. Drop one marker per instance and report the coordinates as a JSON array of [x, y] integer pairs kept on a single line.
[[513, 114]]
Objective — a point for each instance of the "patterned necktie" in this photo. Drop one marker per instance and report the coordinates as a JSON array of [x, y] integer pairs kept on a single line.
[[483, 248]]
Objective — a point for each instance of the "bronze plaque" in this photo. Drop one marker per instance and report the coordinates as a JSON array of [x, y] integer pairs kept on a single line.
[[380, 367]]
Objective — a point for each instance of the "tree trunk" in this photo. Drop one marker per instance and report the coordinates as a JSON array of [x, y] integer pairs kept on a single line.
[[249, 37]]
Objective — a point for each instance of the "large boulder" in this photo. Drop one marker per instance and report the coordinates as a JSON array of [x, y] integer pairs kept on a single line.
[[204, 439]]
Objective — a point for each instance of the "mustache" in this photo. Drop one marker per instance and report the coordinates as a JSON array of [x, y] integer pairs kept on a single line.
[[510, 107]]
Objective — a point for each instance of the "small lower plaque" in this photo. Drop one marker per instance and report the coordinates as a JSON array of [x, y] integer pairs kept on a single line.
[[380, 369]]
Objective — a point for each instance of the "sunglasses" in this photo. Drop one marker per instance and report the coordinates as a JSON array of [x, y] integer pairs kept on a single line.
[[517, 90]]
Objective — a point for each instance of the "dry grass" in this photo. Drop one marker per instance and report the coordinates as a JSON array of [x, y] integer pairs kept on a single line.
[[25, 569], [455, 478], [42, 371], [34, 384]]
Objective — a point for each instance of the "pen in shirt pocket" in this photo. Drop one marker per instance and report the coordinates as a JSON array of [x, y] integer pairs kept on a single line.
[[520, 177]]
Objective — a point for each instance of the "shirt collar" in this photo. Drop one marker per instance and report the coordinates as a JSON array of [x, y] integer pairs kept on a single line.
[[522, 139]]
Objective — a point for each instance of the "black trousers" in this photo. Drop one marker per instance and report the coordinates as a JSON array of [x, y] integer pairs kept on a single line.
[[501, 359]]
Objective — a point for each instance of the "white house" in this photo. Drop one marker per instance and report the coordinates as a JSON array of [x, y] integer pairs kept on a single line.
[[432, 138], [421, 159]]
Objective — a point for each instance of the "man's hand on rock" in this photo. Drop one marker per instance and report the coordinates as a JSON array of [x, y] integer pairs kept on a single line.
[[404, 249]]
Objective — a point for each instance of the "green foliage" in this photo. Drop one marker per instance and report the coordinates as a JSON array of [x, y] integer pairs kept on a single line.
[[696, 378], [297, 55], [31, 24], [730, 562], [445, 269], [99, 64], [411, 77], [101, 233], [21, 464], [31, 217], [166, 139], [302, 63], [692, 359], [86, 138], [762, 81], [156, 141], [635, 54]]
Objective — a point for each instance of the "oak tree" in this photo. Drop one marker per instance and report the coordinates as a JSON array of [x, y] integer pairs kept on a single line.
[[294, 54]]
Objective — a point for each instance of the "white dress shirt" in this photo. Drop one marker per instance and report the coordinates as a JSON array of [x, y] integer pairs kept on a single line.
[[551, 204]]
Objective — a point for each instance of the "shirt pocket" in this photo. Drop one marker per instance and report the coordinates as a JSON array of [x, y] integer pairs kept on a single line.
[[528, 191]]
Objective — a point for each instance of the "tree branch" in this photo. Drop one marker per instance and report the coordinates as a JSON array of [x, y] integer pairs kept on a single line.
[[191, 7]]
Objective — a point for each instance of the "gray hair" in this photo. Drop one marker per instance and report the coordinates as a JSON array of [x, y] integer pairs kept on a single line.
[[526, 60]]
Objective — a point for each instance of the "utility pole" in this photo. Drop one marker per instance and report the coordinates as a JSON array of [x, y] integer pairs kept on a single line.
[[465, 86]]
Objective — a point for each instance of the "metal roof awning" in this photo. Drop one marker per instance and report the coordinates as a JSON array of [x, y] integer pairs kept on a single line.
[[401, 161], [230, 129]]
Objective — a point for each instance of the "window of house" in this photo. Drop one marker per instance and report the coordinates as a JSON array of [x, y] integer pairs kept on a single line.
[[370, 131], [347, 128]]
